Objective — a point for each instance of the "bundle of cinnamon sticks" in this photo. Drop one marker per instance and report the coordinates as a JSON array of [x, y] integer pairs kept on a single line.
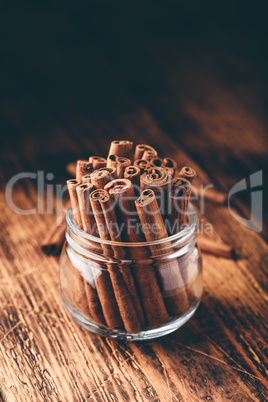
[[131, 199]]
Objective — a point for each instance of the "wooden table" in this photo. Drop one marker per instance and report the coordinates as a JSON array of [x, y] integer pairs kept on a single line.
[[198, 99]]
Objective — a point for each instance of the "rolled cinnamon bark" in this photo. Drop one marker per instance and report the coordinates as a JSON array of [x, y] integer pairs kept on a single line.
[[179, 197], [121, 165], [121, 148], [215, 247], [53, 242], [170, 163], [148, 155], [143, 165], [102, 176], [107, 205], [125, 304], [159, 180], [83, 167], [156, 162], [97, 162], [86, 179], [72, 184], [146, 279], [211, 195], [112, 161], [133, 173], [84, 297], [89, 226], [176, 299], [188, 173], [87, 216], [103, 280], [141, 148]]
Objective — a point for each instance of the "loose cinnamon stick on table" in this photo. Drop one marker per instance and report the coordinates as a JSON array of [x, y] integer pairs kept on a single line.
[[141, 148], [210, 194], [83, 167], [124, 301], [146, 279], [154, 229], [215, 247], [102, 176], [97, 162], [121, 148], [71, 169], [53, 242]]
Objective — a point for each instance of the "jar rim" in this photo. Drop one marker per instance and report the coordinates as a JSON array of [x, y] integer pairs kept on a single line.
[[187, 231]]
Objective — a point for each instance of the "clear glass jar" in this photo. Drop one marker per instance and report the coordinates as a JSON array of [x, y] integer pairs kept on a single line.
[[112, 294]]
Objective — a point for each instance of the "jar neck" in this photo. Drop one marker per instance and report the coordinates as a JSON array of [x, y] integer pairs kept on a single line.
[[87, 245]]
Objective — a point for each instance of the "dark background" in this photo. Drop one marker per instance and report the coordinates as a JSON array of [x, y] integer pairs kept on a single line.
[[75, 75]]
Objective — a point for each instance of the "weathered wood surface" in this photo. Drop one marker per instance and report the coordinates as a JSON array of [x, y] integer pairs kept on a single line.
[[54, 109]]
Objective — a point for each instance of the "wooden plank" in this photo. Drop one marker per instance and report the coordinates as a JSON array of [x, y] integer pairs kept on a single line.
[[219, 355]]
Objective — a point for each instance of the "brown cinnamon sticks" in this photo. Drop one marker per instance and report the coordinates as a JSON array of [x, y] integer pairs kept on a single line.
[[137, 283]]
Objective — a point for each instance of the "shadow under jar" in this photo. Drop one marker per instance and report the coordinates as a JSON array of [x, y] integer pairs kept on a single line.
[[113, 294]]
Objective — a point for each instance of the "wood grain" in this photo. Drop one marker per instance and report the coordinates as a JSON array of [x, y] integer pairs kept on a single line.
[[221, 354]]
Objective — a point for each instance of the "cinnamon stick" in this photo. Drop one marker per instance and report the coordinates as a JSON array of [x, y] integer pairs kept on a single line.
[[88, 221], [143, 165], [83, 167], [146, 279], [133, 174], [80, 296], [141, 148], [97, 162], [156, 162], [215, 247], [159, 180], [72, 184], [89, 226], [127, 309], [103, 281], [188, 173], [86, 178], [121, 148], [178, 203], [170, 163], [71, 169], [108, 210], [148, 155], [119, 163], [53, 242], [176, 299], [210, 194], [102, 176]]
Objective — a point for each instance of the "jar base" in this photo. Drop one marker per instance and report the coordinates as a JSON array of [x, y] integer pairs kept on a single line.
[[145, 335]]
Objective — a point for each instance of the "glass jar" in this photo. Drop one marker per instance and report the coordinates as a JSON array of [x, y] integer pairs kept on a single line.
[[112, 294]]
